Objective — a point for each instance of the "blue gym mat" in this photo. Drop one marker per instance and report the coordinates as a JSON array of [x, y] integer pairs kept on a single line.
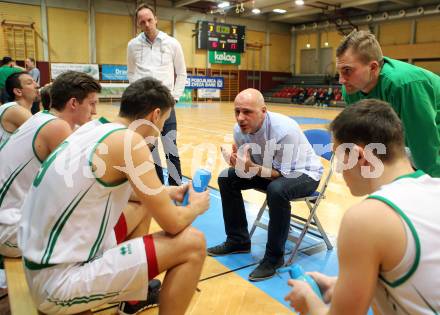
[[211, 224], [309, 120], [185, 105]]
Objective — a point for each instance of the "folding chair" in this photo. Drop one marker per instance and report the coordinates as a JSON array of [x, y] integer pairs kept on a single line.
[[321, 141]]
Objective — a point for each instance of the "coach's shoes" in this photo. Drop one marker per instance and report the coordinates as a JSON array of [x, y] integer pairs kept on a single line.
[[227, 248], [266, 269], [127, 308]]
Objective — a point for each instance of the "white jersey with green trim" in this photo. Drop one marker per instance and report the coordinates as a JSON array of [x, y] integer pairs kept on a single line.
[[4, 134], [18, 166], [68, 214], [413, 287]]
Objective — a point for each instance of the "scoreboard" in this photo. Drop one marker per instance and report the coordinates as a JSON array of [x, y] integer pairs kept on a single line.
[[220, 36]]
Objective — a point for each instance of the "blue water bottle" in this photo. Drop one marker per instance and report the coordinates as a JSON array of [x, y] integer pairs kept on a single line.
[[200, 182], [297, 273]]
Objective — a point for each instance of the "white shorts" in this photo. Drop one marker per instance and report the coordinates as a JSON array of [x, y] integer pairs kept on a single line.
[[8, 240], [121, 274]]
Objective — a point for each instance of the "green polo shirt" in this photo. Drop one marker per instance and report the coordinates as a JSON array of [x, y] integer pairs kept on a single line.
[[5, 72], [414, 93]]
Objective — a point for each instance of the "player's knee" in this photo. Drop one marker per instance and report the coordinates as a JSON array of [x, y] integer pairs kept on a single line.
[[195, 242], [275, 192], [198, 240]]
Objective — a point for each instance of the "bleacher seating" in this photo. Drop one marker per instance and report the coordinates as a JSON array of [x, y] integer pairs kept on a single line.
[[307, 89], [309, 80]]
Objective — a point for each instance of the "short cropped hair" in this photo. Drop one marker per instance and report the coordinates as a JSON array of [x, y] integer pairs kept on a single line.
[[45, 97], [364, 45], [371, 121], [143, 96], [13, 82], [72, 84], [5, 60], [145, 6]]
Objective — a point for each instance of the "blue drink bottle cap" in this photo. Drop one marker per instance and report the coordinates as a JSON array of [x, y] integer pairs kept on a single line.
[[296, 271], [201, 179]]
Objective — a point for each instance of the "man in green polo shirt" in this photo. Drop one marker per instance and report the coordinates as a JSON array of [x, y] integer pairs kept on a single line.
[[7, 67], [413, 92]]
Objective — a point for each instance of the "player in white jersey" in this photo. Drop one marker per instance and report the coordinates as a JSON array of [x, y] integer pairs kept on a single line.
[[75, 97], [23, 90], [77, 198], [389, 244], [5, 134]]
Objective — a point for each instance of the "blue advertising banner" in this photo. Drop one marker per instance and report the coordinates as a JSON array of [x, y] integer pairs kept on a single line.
[[114, 73], [202, 82]]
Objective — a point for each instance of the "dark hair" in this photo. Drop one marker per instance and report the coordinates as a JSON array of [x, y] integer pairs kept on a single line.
[[72, 84], [13, 82], [144, 6], [31, 59], [5, 60], [143, 96], [370, 121], [45, 97], [364, 44]]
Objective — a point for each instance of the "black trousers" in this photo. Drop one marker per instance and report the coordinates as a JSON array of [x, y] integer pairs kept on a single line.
[[169, 143], [279, 193]]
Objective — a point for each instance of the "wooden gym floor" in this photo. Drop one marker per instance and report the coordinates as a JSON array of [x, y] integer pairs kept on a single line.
[[202, 128]]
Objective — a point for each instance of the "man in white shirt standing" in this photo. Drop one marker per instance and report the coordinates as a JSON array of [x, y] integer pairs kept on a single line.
[[32, 69], [35, 74], [153, 53]]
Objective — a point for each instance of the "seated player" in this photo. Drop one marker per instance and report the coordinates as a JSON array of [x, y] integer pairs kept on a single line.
[[71, 262], [388, 244], [23, 91], [74, 95]]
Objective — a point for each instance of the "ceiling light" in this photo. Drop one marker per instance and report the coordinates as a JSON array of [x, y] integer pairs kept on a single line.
[[299, 2], [308, 45], [223, 4], [279, 11], [256, 11], [326, 44]]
